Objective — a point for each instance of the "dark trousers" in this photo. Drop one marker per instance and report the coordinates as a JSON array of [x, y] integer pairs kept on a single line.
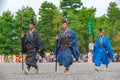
[[29, 66], [31, 60]]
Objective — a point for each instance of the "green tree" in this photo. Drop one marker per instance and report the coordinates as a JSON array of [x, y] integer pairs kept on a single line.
[[72, 5], [117, 42], [48, 21], [116, 28], [113, 16], [102, 23], [113, 13], [6, 21], [82, 16]]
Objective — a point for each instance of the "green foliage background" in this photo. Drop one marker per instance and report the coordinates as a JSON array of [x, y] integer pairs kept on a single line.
[[49, 24]]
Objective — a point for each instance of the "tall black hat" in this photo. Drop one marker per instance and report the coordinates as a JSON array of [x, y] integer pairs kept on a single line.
[[64, 20], [100, 30], [32, 22]]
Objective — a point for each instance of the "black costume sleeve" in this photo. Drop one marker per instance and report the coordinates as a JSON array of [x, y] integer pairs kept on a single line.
[[39, 43]]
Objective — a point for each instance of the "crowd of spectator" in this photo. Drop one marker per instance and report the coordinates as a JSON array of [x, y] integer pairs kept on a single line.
[[17, 58]]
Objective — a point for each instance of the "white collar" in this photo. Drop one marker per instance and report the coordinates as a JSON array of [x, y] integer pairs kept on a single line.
[[30, 31], [101, 36], [66, 30]]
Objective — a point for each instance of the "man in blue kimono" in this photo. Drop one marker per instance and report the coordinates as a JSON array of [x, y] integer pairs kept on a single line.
[[66, 47], [103, 52]]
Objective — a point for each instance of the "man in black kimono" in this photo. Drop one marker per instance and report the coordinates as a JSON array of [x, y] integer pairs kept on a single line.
[[32, 43]]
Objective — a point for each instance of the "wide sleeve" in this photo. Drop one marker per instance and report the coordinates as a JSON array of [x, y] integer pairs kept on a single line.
[[109, 49], [73, 39], [74, 44], [108, 45], [38, 42]]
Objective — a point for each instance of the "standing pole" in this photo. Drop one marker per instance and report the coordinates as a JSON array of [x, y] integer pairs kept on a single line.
[[22, 37], [93, 38], [56, 54], [56, 64]]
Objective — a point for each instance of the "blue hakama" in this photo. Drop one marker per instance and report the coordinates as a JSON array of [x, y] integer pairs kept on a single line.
[[99, 54]]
